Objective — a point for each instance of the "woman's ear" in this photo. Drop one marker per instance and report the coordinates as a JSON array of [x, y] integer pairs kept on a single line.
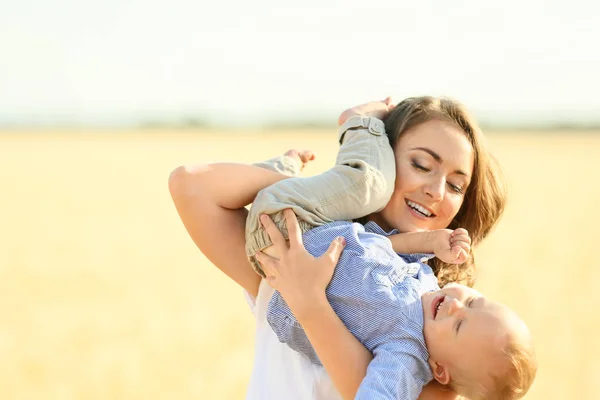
[[440, 373]]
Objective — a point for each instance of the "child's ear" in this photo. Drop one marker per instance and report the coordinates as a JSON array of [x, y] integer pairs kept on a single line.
[[440, 372]]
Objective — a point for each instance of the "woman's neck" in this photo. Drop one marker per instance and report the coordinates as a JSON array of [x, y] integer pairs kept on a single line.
[[378, 219]]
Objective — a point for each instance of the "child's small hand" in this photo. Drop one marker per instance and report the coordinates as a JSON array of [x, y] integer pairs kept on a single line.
[[452, 246], [378, 109], [303, 156]]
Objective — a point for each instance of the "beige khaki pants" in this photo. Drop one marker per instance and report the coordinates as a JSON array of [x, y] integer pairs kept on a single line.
[[360, 183]]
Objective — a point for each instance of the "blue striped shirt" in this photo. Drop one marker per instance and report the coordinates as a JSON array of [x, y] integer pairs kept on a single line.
[[377, 294]]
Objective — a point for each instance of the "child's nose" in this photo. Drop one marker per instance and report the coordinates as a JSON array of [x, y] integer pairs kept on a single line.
[[454, 306]]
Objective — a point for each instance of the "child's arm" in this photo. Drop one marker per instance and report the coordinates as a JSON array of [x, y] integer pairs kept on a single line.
[[210, 200], [397, 372], [450, 246]]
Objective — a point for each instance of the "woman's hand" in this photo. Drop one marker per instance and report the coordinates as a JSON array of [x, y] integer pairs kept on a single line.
[[298, 276], [378, 109]]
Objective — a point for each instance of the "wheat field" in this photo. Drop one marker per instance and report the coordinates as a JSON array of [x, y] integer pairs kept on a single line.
[[104, 296]]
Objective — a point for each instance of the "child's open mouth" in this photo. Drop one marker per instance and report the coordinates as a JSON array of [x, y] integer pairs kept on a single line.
[[436, 305]]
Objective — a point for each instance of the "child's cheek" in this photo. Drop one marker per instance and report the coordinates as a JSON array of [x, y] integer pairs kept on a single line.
[[442, 328]]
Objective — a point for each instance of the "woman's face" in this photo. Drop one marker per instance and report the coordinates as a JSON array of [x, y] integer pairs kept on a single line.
[[434, 164]]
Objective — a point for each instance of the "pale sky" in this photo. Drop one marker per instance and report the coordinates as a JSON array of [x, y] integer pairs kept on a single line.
[[92, 61]]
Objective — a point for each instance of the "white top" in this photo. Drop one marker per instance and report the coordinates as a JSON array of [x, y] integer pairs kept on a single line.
[[278, 371]]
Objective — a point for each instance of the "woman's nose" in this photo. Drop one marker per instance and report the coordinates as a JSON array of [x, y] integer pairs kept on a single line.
[[435, 189]]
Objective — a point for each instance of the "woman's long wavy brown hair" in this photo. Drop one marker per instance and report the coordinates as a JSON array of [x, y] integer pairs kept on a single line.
[[485, 197]]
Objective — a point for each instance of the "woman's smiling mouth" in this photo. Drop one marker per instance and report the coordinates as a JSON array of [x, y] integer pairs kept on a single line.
[[419, 209]]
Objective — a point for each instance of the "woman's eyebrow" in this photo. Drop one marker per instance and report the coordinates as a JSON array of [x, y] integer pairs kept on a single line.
[[432, 153], [437, 158]]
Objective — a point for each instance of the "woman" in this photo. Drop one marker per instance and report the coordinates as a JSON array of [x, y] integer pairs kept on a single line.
[[441, 164]]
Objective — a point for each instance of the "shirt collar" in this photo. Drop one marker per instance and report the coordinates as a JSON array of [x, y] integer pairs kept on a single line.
[[372, 227]]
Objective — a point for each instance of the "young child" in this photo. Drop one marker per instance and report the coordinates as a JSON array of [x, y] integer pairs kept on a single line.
[[416, 331], [389, 301]]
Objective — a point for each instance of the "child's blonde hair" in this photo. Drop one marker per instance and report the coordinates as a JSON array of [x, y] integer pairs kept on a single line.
[[510, 383]]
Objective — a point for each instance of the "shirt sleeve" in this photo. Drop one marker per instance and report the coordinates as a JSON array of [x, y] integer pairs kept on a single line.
[[288, 329], [394, 374]]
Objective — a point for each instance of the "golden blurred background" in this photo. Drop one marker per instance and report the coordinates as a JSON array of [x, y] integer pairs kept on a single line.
[[104, 296]]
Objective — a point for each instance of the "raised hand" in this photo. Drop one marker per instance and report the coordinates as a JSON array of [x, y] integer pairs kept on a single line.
[[452, 246]]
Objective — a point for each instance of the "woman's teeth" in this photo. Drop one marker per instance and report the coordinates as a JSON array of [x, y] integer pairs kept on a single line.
[[418, 208]]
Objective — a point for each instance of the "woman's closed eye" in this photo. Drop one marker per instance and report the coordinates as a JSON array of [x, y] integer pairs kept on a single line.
[[459, 189], [420, 167], [456, 188]]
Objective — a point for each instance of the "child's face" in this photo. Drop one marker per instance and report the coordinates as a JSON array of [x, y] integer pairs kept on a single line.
[[465, 331]]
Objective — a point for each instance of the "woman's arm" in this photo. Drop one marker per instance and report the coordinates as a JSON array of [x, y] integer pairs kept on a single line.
[[301, 279], [210, 200], [343, 356]]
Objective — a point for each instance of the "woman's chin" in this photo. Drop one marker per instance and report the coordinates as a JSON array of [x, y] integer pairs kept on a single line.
[[406, 223]]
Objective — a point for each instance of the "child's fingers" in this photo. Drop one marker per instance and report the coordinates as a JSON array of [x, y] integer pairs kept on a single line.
[[459, 231], [460, 238], [462, 245], [455, 251], [295, 236], [462, 256], [276, 236]]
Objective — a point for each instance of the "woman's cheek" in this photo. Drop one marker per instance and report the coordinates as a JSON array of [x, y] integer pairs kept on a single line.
[[457, 205], [449, 210], [406, 177]]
